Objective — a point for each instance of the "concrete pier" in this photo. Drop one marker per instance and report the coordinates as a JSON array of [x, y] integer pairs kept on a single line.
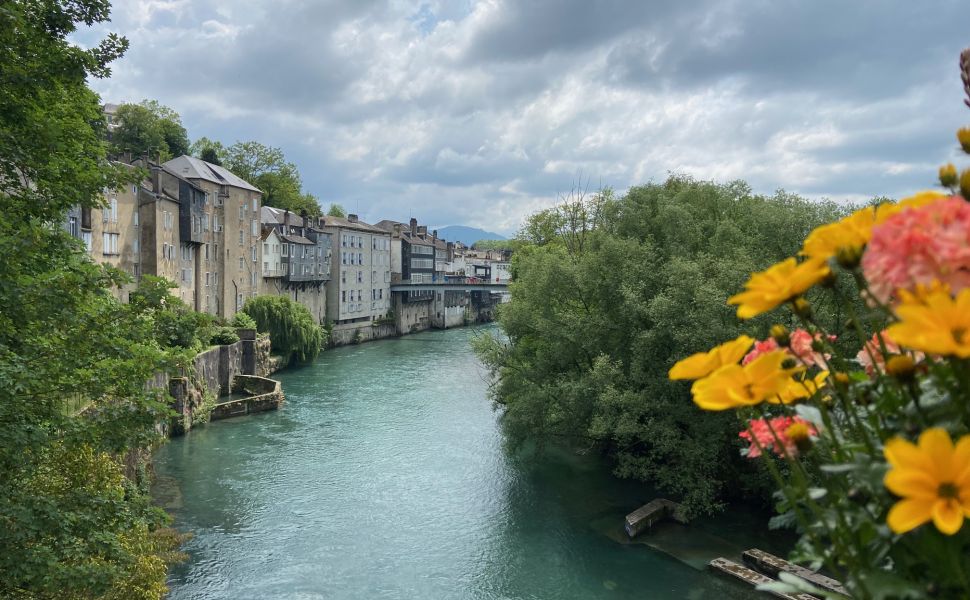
[[742, 573], [650, 513], [772, 565]]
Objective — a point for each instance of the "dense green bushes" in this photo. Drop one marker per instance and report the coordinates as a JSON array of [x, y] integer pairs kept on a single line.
[[607, 294], [290, 325]]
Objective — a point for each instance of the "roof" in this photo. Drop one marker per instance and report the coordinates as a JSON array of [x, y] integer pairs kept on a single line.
[[191, 167], [329, 221], [388, 226], [274, 216], [296, 239]]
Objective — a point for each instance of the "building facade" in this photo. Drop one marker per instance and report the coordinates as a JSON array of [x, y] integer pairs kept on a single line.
[[297, 260]]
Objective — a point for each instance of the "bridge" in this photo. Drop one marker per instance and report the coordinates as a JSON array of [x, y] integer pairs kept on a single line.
[[450, 286]]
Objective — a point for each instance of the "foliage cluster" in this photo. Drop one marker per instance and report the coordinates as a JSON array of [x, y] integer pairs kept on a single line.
[[290, 326], [148, 129], [72, 525], [606, 293], [868, 446]]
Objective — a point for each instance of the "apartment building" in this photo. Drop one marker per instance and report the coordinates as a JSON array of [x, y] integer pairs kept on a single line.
[[296, 259], [360, 291], [226, 236]]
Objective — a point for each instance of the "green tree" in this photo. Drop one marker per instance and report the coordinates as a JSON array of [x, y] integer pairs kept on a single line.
[[151, 129], [71, 523], [267, 168], [211, 151], [607, 294], [337, 210], [289, 324]]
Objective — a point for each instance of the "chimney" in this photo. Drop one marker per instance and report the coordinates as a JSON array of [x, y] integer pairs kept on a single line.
[[414, 226], [423, 230], [352, 218], [397, 230], [306, 221], [434, 234]]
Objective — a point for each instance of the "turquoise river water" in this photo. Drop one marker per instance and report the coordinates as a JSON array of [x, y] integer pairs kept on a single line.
[[384, 475]]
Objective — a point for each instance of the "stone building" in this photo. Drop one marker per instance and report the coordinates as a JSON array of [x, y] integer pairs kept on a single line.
[[296, 260], [228, 250], [359, 296]]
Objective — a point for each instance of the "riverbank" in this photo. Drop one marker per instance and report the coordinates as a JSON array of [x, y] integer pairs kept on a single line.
[[385, 474]]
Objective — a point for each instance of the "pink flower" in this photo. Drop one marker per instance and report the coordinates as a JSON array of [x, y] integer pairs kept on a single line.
[[871, 356], [801, 347], [920, 246], [773, 434], [763, 347]]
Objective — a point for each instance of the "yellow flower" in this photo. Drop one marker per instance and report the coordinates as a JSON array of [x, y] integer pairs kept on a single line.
[[799, 389], [849, 234], [884, 211], [948, 175], [777, 284], [735, 385], [933, 480], [703, 364], [937, 325], [963, 136]]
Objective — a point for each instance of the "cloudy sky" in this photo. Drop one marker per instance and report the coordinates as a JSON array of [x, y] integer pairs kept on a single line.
[[479, 113]]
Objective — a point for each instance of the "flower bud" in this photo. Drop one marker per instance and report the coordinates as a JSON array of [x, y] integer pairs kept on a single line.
[[963, 136], [965, 184], [802, 308], [841, 378], [800, 435], [780, 334], [948, 175], [848, 257], [901, 366]]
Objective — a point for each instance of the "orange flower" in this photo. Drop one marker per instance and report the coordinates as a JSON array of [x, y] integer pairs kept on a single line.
[[734, 385], [703, 364], [933, 480], [778, 284]]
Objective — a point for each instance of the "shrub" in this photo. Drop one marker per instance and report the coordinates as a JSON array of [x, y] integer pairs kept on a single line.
[[291, 327], [243, 321], [224, 336]]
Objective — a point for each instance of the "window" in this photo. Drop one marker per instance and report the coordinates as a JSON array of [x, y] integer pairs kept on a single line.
[[360, 277], [242, 212], [255, 204], [360, 258], [343, 276], [215, 223], [255, 227], [353, 258], [343, 241], [265, 248], [186, 275], [240, 263], [86, 238], [255, 257], [72, 226], [207, 284], [239, 301], [252, 279], [206, 251], [136, 244], [286, 268], [380, 294], [216, 251], [205, 222], [265, 267], [135, 216], [186, 253], [240, 237], [110, 243], [285, 248], [373, 276], [113, 210], [343, 296]]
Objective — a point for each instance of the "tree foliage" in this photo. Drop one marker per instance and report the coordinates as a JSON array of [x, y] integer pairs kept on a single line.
[[150, 129], [290, 325], [337, 210], [607, 293], [71, 523]]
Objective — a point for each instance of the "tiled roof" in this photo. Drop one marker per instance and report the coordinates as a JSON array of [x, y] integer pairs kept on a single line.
[[191, 167]]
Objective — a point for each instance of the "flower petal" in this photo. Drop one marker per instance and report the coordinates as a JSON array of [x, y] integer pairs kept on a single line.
[[911, 483], [902, 453], [938, 447], [947, 516], [909, 514]]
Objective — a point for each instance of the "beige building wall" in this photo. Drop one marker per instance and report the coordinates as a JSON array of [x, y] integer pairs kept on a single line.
[[115, 237], [161, 254]]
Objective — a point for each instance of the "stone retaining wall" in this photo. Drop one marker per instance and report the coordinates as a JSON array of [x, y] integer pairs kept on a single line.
[[267, 394]]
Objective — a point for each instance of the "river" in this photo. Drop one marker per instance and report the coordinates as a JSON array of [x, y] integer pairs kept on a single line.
[[384, 475]]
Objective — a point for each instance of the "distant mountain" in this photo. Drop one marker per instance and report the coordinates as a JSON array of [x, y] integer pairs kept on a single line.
[[467, 235]]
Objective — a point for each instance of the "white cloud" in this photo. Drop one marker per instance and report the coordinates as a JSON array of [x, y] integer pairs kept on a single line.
[[481, 112]]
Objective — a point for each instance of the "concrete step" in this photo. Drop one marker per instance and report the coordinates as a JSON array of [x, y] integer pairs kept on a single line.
[[771, 565], [742, 573]]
